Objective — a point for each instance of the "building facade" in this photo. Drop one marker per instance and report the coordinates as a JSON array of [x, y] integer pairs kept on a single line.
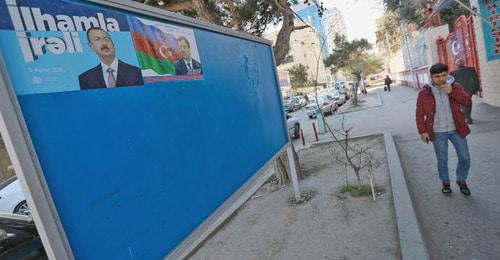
[[488, 49], [305, 49], [309, 14], [334, 23]]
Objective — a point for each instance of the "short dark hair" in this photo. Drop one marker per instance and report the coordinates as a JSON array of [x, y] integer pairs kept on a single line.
[[96, 28], [182, 38], [438, 68]]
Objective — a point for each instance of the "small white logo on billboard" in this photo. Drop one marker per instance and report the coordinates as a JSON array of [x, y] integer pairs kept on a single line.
[[37, 80]]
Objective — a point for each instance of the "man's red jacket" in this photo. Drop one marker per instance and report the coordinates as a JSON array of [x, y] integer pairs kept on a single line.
[[426, 109]]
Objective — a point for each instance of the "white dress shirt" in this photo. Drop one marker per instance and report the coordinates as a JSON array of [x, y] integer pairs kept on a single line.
[[114, 66]]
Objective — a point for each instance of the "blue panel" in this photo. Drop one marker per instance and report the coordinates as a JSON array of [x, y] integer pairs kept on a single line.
[[134, 170]]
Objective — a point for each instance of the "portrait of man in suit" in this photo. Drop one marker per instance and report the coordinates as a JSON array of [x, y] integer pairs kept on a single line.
[[111, 72], [187, 64]]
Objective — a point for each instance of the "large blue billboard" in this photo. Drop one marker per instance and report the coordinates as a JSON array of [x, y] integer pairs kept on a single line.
[[176, 119]]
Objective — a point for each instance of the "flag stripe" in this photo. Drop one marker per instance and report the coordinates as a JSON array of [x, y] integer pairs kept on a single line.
[[160, 66]]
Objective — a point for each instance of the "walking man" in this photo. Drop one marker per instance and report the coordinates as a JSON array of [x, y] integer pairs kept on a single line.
[[467, 77], [439, 119], [388, 82]]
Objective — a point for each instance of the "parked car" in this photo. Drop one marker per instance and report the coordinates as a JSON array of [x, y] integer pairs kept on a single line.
[[19, 238], [340, 84], [299, 99], [327, 103], [293, 126], [346, 92], [12, 198], [339, 98], [311, 97], [291, 105]]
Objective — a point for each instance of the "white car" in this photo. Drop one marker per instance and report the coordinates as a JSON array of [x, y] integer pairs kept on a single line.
[[12, 197], [339, 98], [327, 103], [293, 126], [299, 99]]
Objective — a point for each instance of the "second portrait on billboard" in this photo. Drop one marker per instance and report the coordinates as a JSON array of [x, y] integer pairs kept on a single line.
[[165, 52]]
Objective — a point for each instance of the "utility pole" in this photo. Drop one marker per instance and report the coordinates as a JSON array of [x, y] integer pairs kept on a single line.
[[407, 43]]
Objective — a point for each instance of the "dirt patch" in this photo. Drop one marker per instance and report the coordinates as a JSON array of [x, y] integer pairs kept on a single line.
[[270, 226]]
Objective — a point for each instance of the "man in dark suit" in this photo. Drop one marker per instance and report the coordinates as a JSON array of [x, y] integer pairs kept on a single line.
[[468, 78], [111, 72], [186, 64]]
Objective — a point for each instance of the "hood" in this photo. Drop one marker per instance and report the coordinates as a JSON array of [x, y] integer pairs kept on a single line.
[[450, 79]]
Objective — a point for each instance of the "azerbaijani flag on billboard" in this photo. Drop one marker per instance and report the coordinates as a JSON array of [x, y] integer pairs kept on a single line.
[[156, 50]]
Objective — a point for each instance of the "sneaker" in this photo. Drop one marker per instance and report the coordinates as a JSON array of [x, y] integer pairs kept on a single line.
[[463, 188], [446, 188]]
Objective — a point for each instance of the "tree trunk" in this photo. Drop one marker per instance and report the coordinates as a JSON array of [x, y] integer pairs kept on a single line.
[[358, 178], [372, 185], [204, 13], [235, 15], [282, 168], [355, 99], [176, 7], [282, 45]]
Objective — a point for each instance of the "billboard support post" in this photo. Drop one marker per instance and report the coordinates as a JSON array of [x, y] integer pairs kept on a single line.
[[293, 173]]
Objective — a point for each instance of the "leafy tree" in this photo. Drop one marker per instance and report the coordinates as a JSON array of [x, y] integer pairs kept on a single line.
[[370, 63], [388, 32], [348, 56], [251, 16], [409, 11], [298, 75]]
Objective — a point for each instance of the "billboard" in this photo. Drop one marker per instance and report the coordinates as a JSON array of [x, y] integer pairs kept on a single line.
[[139, 124]]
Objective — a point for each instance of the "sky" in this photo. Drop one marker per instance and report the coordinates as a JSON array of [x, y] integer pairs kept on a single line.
[[359, 15]]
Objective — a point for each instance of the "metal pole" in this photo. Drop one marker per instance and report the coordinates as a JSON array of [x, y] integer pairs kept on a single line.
[[315, 132], [407, 42], [293, 173]]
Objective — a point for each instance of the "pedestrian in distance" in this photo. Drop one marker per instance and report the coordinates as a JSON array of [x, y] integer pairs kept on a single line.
[[388, 82], [468, 78], [440, 119]]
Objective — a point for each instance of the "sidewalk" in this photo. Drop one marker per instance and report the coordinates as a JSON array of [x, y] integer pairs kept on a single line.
[[459, 227], [454, 227]]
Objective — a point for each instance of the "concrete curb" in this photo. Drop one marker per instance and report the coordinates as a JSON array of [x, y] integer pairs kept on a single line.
[[410, 238]]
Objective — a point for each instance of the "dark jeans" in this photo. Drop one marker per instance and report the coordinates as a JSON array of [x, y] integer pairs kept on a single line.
[[388, 87], [440, 143]]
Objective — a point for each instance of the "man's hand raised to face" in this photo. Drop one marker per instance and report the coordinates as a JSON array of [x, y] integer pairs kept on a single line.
[[445, 87]]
